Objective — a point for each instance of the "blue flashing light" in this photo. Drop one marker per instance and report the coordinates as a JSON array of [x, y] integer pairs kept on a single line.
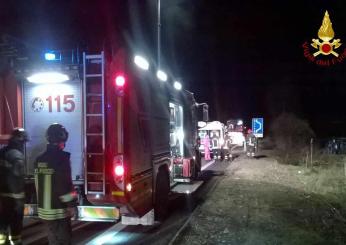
[[50, 56]]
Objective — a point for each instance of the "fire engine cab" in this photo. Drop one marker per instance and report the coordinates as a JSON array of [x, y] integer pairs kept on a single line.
[[133, 137]]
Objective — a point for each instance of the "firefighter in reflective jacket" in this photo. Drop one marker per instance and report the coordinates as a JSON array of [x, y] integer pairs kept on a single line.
[[55, 194], [251, 143], [12, 188]]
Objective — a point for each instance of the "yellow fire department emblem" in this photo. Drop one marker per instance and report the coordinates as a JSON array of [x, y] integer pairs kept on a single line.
[[326, 34]]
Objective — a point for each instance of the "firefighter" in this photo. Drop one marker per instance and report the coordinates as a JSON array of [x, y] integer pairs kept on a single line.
[[251, 143], [215, 144], [55, 193], [12, 188]]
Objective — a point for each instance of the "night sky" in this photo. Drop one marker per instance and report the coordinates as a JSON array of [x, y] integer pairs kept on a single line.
[[245, 58]]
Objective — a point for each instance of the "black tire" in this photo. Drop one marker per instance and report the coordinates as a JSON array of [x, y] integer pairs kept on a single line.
[[196, 169], [198, 165], [161, 195]]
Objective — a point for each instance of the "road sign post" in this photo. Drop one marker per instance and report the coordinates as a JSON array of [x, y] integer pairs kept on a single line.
[[257, 127]]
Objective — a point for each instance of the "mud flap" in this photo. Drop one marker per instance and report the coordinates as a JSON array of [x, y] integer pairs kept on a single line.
[[147, 219], [187, 188]]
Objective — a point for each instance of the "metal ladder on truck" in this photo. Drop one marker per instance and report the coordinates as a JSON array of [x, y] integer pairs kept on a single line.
[[94, 123]]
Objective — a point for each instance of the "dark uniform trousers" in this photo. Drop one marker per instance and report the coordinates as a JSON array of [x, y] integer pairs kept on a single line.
[[11, 216], [59, 231], [11, 194]]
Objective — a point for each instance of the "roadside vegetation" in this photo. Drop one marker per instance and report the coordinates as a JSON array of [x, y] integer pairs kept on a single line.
[[291, 137], [314, 169]]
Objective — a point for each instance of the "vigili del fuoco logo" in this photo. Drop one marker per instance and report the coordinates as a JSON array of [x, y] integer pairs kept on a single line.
[[325, 50]]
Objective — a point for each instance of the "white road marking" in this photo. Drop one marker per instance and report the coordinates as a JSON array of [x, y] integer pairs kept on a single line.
[[208, 164]]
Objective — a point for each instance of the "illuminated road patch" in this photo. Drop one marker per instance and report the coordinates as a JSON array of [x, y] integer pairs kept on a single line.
[[208, 164], [111, 236]]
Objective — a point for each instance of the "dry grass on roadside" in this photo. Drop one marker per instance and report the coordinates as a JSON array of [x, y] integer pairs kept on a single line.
[[326, 177]]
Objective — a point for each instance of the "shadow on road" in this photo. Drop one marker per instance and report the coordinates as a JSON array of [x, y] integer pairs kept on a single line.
[[208, 174], [260, 156]]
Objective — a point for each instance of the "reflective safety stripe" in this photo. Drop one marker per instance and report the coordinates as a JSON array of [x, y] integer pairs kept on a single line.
[[68, 197], [13, 195], [118, 193], [47, 195], [52, 211], [110, 213], [53, 214], [15, 239], [3, 238], [36, 183], [15, 242]]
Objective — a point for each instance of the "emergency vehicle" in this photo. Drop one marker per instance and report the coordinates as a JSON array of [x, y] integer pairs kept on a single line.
[[235, 133], [132, 137], [216, 132]]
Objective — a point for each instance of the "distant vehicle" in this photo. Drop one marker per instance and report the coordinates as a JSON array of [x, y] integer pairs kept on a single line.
[[216, 132], [335, 145], [235, 132]]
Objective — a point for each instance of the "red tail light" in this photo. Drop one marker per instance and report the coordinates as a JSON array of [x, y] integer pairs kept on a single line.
[[120, 81], [119, 170]]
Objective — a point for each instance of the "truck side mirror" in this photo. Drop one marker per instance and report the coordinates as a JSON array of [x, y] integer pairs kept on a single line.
[[205, 113]]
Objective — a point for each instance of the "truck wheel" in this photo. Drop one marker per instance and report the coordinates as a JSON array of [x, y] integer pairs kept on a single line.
[[197, 168], [161, 195]]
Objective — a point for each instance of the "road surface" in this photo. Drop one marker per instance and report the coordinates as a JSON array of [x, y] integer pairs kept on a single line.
[[181, 206]]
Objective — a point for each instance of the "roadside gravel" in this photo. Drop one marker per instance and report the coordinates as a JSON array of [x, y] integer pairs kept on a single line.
[[262, 202]]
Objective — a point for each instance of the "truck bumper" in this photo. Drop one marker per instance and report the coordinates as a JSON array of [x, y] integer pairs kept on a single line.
[[85, 213], [98, 213]]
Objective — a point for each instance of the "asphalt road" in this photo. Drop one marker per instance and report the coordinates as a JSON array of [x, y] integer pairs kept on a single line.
[[180, 208]]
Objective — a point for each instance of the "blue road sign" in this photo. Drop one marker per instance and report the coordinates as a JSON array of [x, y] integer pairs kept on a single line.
[[257, 127]]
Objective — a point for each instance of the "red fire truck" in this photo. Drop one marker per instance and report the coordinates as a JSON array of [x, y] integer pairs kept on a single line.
[[133, 137]]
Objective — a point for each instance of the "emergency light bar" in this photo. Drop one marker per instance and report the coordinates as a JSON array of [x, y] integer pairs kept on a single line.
[[49, 56], [52, 56], [48, 77], [201, 124]]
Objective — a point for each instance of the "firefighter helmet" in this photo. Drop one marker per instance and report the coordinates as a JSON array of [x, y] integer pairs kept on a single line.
[[56, 133], [19, 135]]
